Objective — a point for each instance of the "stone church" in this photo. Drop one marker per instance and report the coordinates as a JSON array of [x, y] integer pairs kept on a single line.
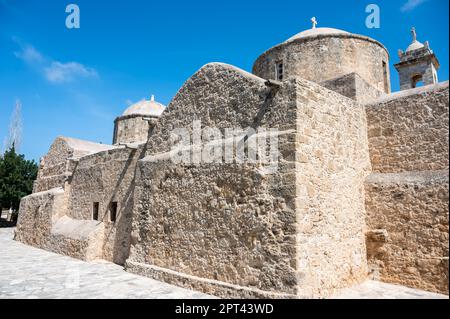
[[360, 190]]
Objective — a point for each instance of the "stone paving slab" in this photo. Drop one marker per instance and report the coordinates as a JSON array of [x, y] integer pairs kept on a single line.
[[381, 290], [28, 272]]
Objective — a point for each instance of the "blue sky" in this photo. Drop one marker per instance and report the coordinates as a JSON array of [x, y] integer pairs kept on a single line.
[[74, 82]]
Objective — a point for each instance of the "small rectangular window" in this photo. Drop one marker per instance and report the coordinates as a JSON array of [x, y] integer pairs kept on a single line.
[[113, 211], [279, 71], [95, 208], [385, 77]]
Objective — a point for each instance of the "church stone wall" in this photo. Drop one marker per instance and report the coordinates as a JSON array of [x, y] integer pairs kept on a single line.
[[407, 195], [106, 177], [46, 183], [58, 153], [57, 165], [132, 128], [331, 165], [53, 167], [234, 230], [325, 57], [82, 178], [317, 223], [407, 215], [37, 212], [227, 229], [408, 131], [42, 223], [354, 87]]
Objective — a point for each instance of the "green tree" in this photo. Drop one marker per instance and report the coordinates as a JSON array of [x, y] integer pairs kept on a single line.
[[16, 178]]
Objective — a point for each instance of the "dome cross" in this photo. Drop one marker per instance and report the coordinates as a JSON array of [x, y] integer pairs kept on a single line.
[[414, 34], [314, 22]]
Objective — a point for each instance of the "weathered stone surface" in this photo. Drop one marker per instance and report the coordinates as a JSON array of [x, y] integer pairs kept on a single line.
[[408, 131], [42, 224], [31, 273], [236, 225], [37, 213], [92, 173], [105, 178], [325, 57], [227, 222], [331, 133], [132, 128], [303, 228], [417, 65], [408, 194], [412, 210], [353, 86]]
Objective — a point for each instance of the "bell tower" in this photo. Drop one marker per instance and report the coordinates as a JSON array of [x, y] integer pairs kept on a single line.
[[417, 64]]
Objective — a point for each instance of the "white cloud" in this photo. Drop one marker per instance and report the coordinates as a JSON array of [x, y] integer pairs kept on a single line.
[[59, 72], [54, 71], [29, 54], [411, 5]]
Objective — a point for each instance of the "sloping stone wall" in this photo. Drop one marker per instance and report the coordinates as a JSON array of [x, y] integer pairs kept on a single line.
[[224, 223], [56, 167], [233, 229]]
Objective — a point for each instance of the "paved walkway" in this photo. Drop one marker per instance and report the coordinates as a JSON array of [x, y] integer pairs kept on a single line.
[[380, 290], [28, 272]]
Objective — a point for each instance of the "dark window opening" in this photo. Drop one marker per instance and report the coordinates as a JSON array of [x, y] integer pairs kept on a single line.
[[113, 211], [385, 77], [95, 208], [416, 81], [279, 71]]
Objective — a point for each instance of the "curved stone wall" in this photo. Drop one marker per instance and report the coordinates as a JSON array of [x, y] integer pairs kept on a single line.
[[324, 57], [132, 128]]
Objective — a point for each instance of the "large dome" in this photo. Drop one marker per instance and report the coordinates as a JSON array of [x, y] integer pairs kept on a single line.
[[145, 107], [315, 32], [323, 54]]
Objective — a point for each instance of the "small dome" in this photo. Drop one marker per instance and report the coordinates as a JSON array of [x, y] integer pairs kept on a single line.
[[146, 107], [316, 31], [414, 46]]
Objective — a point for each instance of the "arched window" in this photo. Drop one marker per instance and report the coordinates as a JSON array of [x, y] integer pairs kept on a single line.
[[416, 81]]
